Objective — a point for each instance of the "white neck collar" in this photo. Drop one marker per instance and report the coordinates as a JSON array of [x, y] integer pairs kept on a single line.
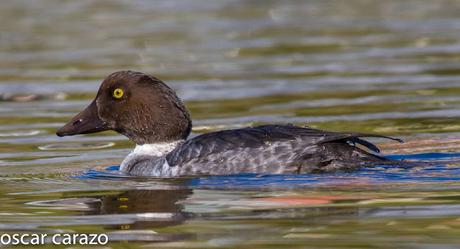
[[158, 149]]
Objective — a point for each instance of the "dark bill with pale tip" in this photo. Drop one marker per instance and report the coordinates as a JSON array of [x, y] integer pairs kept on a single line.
[[87, 121]]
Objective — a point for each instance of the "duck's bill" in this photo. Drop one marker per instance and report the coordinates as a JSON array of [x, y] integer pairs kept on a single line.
[[85, 122]]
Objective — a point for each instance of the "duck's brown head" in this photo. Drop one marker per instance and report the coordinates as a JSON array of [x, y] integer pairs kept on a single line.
[[134, 104]]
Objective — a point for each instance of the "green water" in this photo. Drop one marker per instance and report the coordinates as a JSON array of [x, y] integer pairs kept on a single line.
[[387, 67]]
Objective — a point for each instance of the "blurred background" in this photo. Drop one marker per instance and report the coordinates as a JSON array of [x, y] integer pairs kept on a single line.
[[381, 66], [388, 67], [376, 66]]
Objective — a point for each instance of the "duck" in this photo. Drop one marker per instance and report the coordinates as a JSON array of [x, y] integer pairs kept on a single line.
[[149, 113]]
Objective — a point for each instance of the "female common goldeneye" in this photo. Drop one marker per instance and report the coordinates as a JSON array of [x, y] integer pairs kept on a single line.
[[148, 112]]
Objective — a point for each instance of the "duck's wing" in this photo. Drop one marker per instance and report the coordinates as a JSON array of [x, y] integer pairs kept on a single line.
[[356, 138], [220, 141]]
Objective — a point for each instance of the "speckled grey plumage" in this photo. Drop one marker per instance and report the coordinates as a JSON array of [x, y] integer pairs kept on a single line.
[[274, 149]]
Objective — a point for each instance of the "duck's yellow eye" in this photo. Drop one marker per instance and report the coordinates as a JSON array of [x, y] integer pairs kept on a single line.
[[118, 93]]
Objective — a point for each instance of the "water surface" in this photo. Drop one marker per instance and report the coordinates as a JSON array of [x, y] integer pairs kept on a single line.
[[387, 67]]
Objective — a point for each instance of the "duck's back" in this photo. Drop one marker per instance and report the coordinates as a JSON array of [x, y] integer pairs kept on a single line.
[[272, 149]]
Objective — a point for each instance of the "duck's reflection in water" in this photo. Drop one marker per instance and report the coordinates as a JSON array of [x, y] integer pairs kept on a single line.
[[142, 210]]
